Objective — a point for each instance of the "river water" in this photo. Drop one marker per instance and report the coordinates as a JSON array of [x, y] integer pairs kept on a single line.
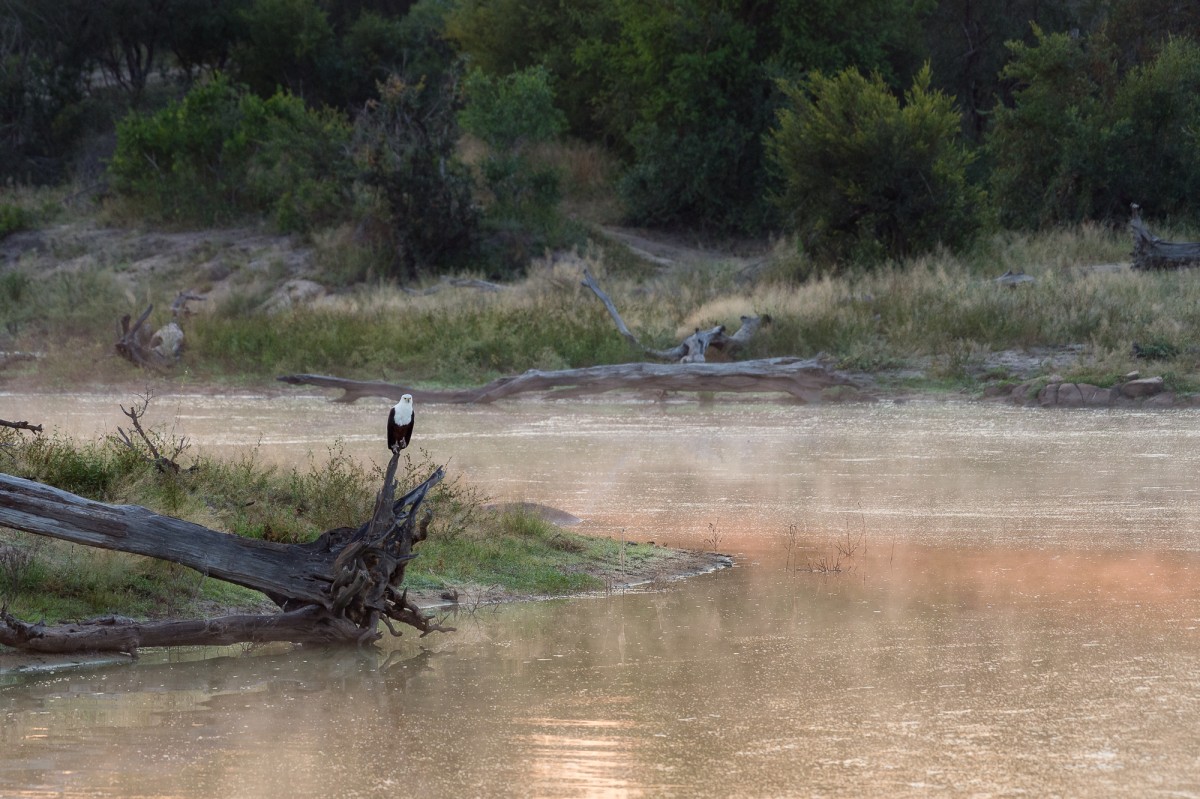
[[1017, 612]]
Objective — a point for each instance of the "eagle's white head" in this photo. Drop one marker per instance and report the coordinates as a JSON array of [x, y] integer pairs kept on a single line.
[[403, 410]]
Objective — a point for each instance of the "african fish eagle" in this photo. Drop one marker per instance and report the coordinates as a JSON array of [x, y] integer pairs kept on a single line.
[[400, 423]]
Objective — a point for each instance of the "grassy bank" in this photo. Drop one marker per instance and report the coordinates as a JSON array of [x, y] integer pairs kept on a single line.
[[469, 549], [928, 322]]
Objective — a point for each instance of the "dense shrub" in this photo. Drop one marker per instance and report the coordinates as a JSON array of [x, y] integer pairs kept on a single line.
[[865, 177], [1082, 143], [1034, 145], [286, 44], [222, 153], [510, 115], [502, 36], [12, 219], [1150, 137], [686, 95], [404, 149]]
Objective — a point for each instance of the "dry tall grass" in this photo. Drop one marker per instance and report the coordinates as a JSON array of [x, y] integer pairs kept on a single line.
[[942, 313]]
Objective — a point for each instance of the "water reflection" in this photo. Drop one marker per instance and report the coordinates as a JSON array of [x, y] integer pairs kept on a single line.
[[1020, 615]]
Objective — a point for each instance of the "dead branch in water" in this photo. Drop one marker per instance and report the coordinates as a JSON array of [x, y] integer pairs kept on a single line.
[[335, 590]]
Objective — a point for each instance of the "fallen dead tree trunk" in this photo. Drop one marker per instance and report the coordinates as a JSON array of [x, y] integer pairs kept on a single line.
[[1150, 252], [335, 590], [802, 379], [692, 349]]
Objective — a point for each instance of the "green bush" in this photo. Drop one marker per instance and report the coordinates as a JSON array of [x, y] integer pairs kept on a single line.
[[511, 114], [1080, 143], [13, 218], [223, 153], [511, 111], [404, 149], [865, 177], [286, 44], [1034, 146], [1150, 137]]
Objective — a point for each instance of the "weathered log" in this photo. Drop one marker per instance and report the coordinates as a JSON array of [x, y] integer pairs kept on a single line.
[[803, 379], [334, 590], [33, 428], [308, 625], [692, 349], [1150, 252]]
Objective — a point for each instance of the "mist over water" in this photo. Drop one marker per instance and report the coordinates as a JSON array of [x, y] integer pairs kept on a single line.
[[1017, 611]]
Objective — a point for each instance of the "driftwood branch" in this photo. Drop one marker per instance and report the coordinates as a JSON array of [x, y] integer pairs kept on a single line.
[[1150, 252], [333, 590], [692, 349], [591, 283], [33, 428], [802, 379]]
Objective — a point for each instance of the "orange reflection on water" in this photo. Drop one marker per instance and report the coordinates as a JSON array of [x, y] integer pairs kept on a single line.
[[564, 761]]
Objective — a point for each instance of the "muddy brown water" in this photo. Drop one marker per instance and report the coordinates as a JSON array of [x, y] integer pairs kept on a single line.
[[1019, 615]]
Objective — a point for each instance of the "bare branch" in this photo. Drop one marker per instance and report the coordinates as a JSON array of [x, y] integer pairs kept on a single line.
[[591, 283], [33, 428], [160, 461]]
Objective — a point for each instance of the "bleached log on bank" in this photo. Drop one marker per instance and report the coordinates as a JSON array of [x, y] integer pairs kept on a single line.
[[335, 590], [692, 349], [803, 379], [1150, 252]]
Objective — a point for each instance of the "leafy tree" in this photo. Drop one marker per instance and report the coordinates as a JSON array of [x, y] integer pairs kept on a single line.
[[511, 114], [47, 50], [503, 36], [865, 177], [689, 99], [375, 47], [1147, 140], [1035, 145], [690, 92], [1138, 29], [134, 32], [286, 44], [512, 111], [968, 45], [404, 149], [200, 33]]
